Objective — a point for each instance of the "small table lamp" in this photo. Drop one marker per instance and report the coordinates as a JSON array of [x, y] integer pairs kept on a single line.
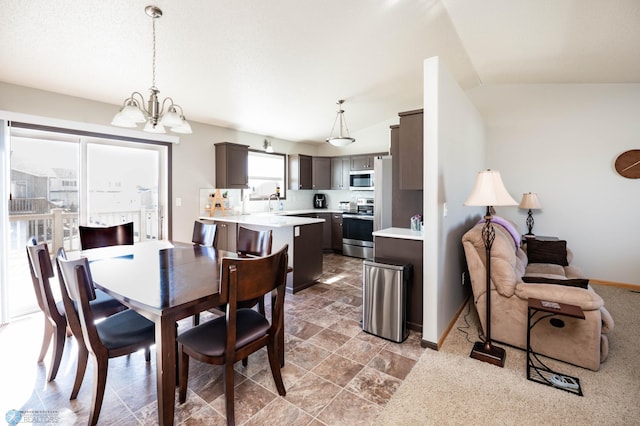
[[530, 201], [489, 191]]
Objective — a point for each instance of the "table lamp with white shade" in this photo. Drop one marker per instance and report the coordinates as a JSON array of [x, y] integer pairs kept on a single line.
[[530, 201], [489, 191]]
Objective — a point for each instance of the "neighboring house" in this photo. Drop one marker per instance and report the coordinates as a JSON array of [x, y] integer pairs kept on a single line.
[[29, 193], [36, 192], [63, 188]]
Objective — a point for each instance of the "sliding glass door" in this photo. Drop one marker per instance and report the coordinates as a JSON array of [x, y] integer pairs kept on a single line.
[[123, 185], [59, 181]]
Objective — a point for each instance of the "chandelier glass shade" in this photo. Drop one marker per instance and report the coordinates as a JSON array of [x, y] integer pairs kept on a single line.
[[157, 115], [340, 139]]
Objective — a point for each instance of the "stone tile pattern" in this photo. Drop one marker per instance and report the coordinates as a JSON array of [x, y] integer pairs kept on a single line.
[[335, 374]]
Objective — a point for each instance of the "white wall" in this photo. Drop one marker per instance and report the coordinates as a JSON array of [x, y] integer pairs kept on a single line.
[[561, 141], [454, 151]]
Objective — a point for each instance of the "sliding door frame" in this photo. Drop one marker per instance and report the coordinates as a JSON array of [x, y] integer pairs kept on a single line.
[[91, 133]]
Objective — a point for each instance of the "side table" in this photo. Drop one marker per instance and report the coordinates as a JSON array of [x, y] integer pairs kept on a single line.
[[537, 371]]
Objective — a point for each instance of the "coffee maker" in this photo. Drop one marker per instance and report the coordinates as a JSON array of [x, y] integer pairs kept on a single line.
[[320, 201]]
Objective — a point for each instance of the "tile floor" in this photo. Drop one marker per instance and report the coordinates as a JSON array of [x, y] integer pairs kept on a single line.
[[335, 374]]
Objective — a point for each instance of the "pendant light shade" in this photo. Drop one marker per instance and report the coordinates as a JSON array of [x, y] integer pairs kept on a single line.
[[133, 110], [341, 139]]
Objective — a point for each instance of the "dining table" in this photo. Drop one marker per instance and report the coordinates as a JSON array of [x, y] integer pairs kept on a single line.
[[165, 281]]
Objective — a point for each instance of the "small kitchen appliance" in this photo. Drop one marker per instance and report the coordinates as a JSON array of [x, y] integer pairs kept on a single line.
[[320, 201]]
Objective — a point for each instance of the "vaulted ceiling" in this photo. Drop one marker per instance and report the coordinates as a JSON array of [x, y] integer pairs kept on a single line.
[[277, 67]]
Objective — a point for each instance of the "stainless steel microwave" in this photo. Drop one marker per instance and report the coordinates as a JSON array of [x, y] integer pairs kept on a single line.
[[361, 180]]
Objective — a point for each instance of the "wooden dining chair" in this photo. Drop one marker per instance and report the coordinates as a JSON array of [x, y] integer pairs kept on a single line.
[[95, 237], [55, 319], [239, 333], [204, 234], [120, 334], [55, 322]]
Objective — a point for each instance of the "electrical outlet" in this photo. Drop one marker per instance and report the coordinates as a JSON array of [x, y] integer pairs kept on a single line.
[[463, 277]]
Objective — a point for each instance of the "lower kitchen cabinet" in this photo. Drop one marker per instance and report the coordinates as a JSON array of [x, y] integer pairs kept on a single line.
[[406, 251], [336, 231], [226, 233], [326, 228]]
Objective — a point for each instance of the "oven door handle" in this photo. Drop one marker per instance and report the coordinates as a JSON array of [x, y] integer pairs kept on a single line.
[[356, 216]]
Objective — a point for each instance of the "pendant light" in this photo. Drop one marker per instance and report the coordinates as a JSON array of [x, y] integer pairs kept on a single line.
[[340, 140], [133, 109]]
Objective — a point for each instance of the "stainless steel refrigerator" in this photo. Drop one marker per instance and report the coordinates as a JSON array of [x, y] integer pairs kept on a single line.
[[382, 193]]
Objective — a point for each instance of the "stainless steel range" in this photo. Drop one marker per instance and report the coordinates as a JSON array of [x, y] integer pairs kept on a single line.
[[357, 229]]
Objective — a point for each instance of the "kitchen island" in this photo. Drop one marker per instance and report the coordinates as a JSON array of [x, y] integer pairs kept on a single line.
[[303, 234]]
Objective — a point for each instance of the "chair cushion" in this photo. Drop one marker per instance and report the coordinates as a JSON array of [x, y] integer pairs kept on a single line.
[[547, 252], [104, 305], [125, 328], [210, 337]]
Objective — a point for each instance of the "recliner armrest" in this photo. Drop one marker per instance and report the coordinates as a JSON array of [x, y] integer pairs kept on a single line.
[[586, 299]]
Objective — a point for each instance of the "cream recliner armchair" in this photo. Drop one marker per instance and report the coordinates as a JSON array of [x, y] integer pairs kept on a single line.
[[580, 342]]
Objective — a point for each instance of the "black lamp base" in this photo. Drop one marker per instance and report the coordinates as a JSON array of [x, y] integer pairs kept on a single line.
[[486, 352]]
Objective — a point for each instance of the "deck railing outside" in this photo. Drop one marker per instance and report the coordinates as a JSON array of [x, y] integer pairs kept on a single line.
[[58, 228]]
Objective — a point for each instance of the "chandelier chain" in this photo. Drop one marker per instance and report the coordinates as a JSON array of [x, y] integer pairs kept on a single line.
[[154, 53]]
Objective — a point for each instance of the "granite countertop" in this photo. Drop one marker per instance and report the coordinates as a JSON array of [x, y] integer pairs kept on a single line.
[[401, 233]]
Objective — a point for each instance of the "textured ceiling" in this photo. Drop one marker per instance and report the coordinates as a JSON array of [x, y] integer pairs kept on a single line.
[[277, 67]]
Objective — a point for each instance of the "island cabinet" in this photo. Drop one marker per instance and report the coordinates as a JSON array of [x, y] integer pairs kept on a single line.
[[336, 231], [300, 171], [226, 235], [405, 251], [326, 227], [340, 167], [232, 165], [411, 150], [321, 172]]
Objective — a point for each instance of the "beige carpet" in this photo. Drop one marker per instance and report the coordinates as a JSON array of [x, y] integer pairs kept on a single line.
[[447, 387]]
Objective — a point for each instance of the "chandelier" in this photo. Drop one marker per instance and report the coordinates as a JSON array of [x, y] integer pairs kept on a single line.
[[156, 115], [340, 140]]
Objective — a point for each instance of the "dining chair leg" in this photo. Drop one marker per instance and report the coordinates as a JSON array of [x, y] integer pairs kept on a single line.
[[59, 336], [196, 319], [184, 374], [147, 354], [99, 383], [228, 393], [46, 339], [83, 357], [274, 362]]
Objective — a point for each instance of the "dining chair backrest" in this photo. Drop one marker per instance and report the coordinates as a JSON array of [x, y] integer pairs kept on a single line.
[[95, 237], [41, 271], [55, 321], [254, 243], [79, 291], [204, 234], [246, 279]]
